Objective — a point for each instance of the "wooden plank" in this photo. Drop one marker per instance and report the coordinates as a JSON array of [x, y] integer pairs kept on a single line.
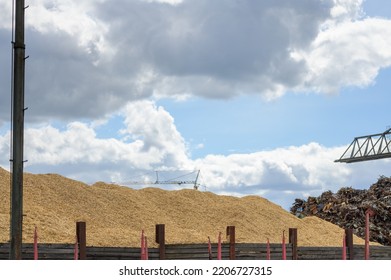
[[82, 239], [349, 243], [293, 242], [188, 256], [177, 249], [192, 246], [161, 240], [231, 234], [102, 250]]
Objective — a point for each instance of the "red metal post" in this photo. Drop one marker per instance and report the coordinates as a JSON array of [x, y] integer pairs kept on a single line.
[[268, 250], [209, 249], [283, 246], [219, 257], [146, 248], [76, 250], [367, 235], [368, 213], [142, 245], [35, 244]]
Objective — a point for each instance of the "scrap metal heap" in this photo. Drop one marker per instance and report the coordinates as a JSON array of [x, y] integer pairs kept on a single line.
[[347, 207]]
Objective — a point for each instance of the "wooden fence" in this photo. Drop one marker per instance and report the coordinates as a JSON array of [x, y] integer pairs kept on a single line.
[[244, 251], [335, 253], [230, 250]]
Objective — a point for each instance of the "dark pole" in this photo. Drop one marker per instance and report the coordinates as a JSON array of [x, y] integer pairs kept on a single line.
[[231, 233], [81, 234], [349, 242], [293, 241], [161, 240], [17, 134]]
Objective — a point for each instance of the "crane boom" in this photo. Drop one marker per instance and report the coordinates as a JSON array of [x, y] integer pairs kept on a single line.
[[177, 181], [369, 147]]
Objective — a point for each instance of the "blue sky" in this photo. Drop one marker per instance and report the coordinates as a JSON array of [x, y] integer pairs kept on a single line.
[[261, 97], [377, 8], [247, 124]]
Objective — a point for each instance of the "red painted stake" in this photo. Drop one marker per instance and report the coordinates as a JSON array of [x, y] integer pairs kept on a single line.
[[219, 247], [344, 247], [142, 245], [366, 235], [368, 213], [209, 248], [268, 250], [146, 248], [76, 250], [35, 244], [283, 246]]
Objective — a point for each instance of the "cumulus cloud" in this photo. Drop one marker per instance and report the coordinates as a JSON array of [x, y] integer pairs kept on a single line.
[[350, 54], [89, 58], [150, 141], [307, 168], [155, 128]]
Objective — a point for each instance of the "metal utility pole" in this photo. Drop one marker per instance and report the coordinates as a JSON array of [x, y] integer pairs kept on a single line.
[[17, 133]]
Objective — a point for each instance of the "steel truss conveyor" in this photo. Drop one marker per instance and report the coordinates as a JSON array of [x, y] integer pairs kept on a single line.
[[370, 147]]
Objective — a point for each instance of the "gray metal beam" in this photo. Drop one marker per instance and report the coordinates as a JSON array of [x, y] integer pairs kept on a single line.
[[370, 147]]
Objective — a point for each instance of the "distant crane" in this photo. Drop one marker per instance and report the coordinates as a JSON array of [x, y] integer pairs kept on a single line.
[[369, 147], [176, 180]]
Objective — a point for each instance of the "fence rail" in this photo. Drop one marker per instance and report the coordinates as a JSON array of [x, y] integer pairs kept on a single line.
[[229, 250], [244, 251]]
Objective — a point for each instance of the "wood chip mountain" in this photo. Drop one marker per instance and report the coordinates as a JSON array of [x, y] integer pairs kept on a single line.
[[115, 215]]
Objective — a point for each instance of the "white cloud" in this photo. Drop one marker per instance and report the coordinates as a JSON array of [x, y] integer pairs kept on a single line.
[[77, 144], [74, 18], [154, 127], [346, 10], [306, 167], [350, 54], [151, 141], [89, 58]]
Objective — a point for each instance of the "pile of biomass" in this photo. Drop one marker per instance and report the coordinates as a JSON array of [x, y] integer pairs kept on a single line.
[[347, 208], [116, 215]]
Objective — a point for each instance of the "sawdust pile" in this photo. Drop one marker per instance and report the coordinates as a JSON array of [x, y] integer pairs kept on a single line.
[[116, 215]]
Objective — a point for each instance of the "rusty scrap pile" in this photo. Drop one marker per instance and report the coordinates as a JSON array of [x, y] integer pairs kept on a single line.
[[347, 207]]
